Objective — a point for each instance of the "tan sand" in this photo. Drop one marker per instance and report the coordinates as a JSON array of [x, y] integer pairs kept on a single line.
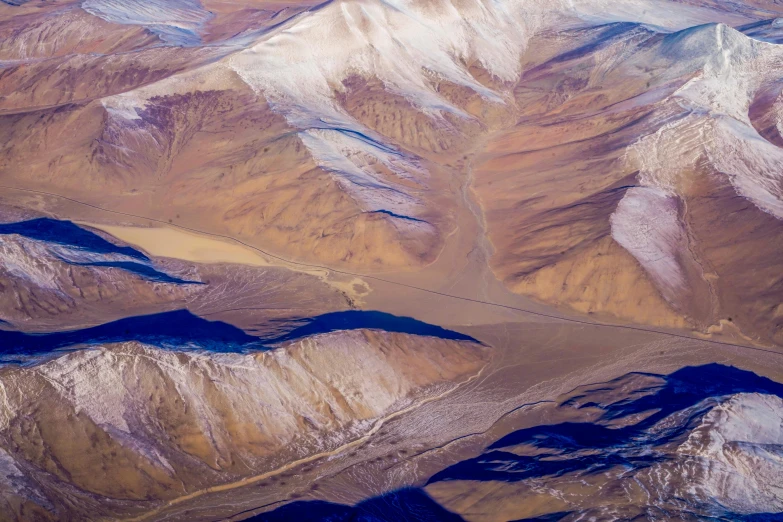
[[181, 244]]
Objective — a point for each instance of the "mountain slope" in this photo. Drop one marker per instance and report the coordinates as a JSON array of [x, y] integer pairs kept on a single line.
[[115, 430], [319, 201], [355, 154]]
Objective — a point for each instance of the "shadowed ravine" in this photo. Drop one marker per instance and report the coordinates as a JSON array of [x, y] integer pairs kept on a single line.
[[360, 319], [410, 504], [178, 329]]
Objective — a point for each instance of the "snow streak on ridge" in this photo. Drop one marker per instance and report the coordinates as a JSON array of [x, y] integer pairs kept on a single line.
[[408, 46], [727, 70], [174, 21]]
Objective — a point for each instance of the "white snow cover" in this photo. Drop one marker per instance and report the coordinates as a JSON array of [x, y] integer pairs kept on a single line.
[[777, 111], [407, 46], [274, 386], [661, 15], [354, 159], [752, 164], [739, 449], [175, 21], [127, 105], [29, 260], [402, 43], [647, 224], [321, 380], [727, 69]]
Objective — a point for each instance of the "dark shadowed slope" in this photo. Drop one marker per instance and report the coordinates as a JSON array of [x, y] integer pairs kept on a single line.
[[69, 234], [178, 328], [664, 446], [373, 320]]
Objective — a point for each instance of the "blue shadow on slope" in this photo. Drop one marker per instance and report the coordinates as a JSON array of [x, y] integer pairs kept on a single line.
[[408, 505], [359, 319], [71, 235], [588, 448], [566, 447], [177, 329], [764, 30], [608, 33], [182, 329], [593, 448], [68, 234]]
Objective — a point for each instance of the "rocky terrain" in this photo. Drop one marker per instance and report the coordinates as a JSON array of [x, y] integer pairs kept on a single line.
[[115, 430], [608, 451], [384, 247], [351, 153], [701, 442]]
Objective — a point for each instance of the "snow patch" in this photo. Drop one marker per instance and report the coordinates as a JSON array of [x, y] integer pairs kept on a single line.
[[739, 448], [409, 46], [753, 165], [647, 224], [726, 69], [353, 161], [128, 105], [174, 21], [28, 260], [660, 15]]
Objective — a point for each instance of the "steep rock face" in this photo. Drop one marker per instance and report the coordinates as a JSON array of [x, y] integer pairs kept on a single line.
[[739, 445], [114, 429]]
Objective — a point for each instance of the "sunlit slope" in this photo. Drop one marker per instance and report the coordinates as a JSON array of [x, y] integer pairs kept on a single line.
[[607, 142]]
